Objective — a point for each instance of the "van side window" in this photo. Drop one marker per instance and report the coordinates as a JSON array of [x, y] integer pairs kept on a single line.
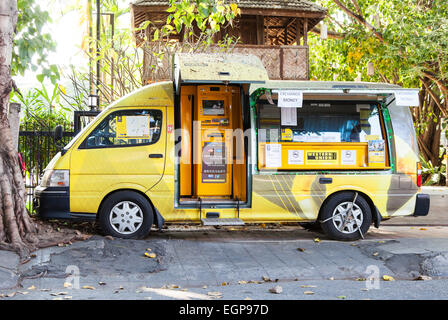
[[126, 128], [320, 121]]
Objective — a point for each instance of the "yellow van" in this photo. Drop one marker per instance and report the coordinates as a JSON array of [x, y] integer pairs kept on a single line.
[[224, 145]]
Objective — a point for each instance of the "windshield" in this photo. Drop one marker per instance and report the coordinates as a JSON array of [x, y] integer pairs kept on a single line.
[[75, 138]]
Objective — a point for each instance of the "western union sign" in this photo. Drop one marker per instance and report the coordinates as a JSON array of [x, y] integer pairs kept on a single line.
[[322, 157]]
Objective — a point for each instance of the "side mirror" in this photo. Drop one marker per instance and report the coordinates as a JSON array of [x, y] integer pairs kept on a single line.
[[58, 133]]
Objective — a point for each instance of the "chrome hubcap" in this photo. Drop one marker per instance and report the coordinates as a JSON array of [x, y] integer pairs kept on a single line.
[[126, 217], [348, 217]]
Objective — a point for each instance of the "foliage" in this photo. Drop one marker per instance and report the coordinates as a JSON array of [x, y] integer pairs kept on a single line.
[[192, 26], [43, 110], [209, 16], [121, 60], [433, 175], [405, 42], [31, 44]]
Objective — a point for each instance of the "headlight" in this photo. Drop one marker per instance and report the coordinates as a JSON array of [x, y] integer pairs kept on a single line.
[[56, 178]]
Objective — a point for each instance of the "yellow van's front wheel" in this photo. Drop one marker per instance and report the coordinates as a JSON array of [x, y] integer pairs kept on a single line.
[[126, 214]]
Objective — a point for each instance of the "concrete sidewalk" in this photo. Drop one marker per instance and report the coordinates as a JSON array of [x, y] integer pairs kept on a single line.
[[230, 260]]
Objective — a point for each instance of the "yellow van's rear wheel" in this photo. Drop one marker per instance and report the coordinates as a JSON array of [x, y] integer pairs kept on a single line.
[[126, 214], [346, 216]]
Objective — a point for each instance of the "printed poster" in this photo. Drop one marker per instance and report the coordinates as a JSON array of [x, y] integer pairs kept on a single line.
[[296, 157], [290, 99], [132, 127], [273, 155], [376, 151], [289, 117], [348, 157]]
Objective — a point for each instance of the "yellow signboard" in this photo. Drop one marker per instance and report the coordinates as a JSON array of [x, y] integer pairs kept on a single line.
[[322, 157]]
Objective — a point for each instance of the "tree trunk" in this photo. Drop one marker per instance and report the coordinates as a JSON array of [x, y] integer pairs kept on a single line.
[[17, 231]]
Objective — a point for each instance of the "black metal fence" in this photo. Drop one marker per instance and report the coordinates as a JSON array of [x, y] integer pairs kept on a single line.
[[37, 147], [37, 144]]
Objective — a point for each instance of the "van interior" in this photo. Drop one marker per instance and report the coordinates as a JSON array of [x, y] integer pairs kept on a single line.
[[213, 153]]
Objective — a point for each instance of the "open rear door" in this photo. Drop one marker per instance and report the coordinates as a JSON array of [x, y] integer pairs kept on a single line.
[[212, 91]]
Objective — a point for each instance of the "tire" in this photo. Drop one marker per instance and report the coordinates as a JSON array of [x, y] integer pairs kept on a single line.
[[337, 206], [127, 215]]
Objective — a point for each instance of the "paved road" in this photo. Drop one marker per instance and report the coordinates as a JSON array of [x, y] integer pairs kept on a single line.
[[239, 263]]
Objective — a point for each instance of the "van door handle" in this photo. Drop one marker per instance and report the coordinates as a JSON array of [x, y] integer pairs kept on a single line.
[[325, 180], [156, 155]]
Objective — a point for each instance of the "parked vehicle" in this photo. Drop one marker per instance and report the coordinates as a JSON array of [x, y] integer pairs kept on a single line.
[[224, 145]]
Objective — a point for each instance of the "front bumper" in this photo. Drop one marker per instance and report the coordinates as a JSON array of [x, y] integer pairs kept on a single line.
[[421, 205], [54, 203]]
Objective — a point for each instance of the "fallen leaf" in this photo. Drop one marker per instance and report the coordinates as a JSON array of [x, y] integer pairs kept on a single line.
[[266, 278], [44, 290], [423, 278], [301, 249], [381, 241], [101, 283], [276, 289], [307, 286], [10, 295], [88, 287], [148, 249], [68, 297], [341, 297], [361, 279], [224, 283], [388, 278], [423, 229], [67, 285], [59, 293], [57, 298], [204, 287], [242, 282], [308, 292], [150, 255], [31, 288], [331, 278], [316, 240], [215, 294], [375, 254], [247, 298]]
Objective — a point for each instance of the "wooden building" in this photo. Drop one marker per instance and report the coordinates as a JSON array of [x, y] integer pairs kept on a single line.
[[274, 30]]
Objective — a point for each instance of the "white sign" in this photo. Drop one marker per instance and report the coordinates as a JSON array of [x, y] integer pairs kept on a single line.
[[137, 126], [407, 98], [348, 157], [273, 155], [296, 157], [290, 99], [289, 116]]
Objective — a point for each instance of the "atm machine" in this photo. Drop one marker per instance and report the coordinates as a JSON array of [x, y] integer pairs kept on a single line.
[[213, 139]]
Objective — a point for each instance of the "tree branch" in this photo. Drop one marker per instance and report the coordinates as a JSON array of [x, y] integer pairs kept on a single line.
[[360, 18], [330, 33]]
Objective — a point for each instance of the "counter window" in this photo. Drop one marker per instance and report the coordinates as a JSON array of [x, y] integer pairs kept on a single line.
[[319, 122]]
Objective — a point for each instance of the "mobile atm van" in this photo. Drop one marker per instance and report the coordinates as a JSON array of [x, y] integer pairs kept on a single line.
[[224, 145]]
